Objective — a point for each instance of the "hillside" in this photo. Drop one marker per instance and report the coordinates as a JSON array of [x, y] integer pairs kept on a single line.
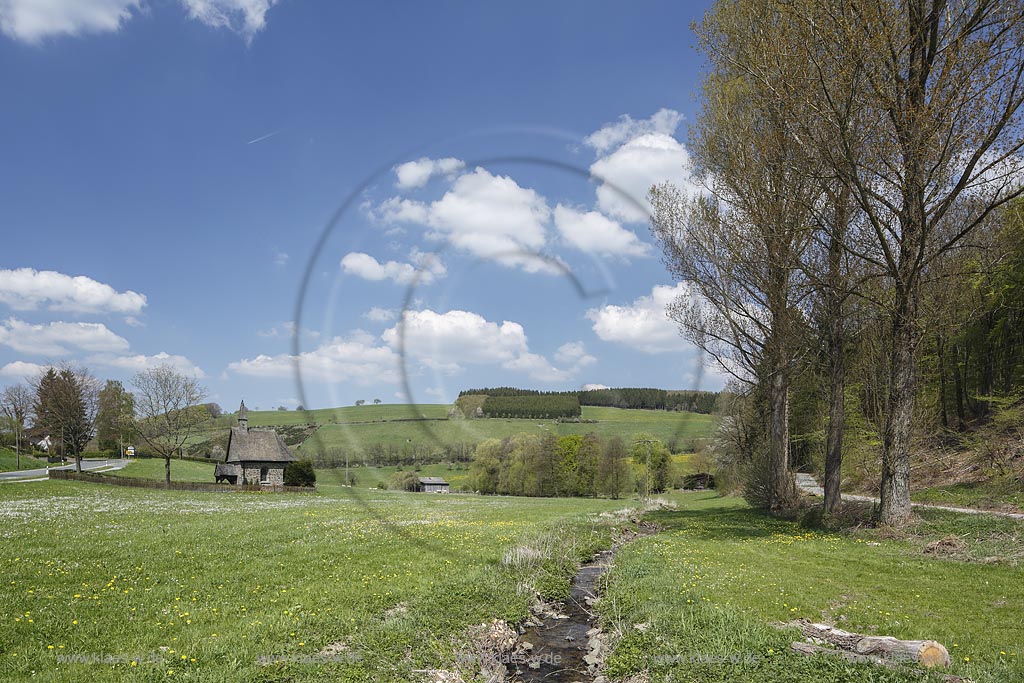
[[424, 432], [681, 429]]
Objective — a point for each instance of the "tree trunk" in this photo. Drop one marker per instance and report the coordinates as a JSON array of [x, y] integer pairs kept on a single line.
[[834, 440], [167, 470], [958, 387], [940, 343], [78, 462], [895, 490], [782, 494], [836, 357]]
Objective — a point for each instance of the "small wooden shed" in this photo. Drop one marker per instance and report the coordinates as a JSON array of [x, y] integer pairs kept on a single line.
[[433, 485]]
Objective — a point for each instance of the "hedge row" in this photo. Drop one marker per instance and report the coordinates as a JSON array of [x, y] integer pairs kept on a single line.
[[628, 397], [174, 485]]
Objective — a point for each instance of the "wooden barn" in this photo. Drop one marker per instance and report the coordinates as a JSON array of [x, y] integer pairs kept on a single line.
[[433, 485], [254, 456]]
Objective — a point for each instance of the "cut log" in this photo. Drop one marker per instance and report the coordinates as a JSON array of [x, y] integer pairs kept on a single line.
[[925, 652], [828, 634], [812, 649], [928, 653]]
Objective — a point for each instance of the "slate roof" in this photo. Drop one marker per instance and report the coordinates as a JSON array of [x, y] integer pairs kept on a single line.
[[433, 480], [257, 445]]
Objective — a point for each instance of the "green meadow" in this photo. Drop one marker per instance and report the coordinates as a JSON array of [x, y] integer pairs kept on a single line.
[[678, 427], [710, 584], [108, 583], [162, 585], [364, 413], [153, 468], [9, 461]]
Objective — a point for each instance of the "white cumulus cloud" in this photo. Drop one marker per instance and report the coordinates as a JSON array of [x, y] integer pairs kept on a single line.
[[575, 354], [595, 233], [141, 362], [26, 289], [611, 135], [417, 173], [287, 330], [353, 359], [489, 216], [58, 338], [20, 369], [448, 341], [32, 20], [424, 269], [244, 17], [643, 325], [633, 156], [380, 315]]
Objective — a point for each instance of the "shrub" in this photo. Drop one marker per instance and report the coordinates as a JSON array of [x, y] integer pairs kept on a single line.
[[300, 473], [404, 481]]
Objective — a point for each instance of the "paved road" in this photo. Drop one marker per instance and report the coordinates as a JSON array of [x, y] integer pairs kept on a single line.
[[808, 484], [98, 465]]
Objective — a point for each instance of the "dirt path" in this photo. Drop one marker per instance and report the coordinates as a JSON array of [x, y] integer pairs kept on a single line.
[[808, 484]]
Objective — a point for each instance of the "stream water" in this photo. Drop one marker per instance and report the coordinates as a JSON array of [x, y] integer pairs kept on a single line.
[[560, 642]]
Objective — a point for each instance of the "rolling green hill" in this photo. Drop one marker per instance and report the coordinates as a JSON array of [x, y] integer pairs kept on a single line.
[[367, 413], [426, 429], [678, 428]]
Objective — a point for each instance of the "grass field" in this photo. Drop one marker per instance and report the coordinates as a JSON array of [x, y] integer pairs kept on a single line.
[[708, 587], [666, 426], [153, 468], [200, 586], [366, 413], [9, 461]]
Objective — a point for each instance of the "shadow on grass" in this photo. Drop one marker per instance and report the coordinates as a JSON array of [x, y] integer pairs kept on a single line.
[[718, 523]]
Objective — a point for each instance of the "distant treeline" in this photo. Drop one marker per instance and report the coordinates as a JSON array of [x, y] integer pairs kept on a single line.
[[636, 398]]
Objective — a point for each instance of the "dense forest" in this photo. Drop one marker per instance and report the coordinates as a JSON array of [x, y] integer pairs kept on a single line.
[[532, 403], [544, 406]]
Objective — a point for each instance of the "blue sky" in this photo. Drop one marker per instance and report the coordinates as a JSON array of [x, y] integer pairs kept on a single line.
[[171, 165]]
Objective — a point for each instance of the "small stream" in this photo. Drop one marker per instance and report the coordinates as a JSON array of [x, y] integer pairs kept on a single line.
[[560, 642]]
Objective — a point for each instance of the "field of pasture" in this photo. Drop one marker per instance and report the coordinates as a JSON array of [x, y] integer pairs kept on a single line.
[[116, 584], [678, 427], [708, 588]]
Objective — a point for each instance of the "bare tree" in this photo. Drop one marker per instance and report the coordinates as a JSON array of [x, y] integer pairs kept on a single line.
[[940, 84], [740, 245], [17, 406], [169, 410]]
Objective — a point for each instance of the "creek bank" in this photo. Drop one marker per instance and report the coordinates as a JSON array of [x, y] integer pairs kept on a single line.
[[561, 642]]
